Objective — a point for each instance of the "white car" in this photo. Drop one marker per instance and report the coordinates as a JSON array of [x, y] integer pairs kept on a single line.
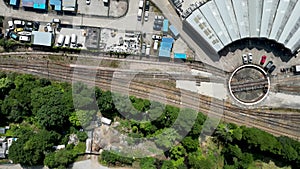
[[24, 38], [11, 25], [245, 59], [156, 37], [250, 57], [146, 16], [19, 22], [88, 2]]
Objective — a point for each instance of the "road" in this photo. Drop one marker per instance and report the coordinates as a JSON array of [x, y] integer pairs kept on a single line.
[[129, 22]]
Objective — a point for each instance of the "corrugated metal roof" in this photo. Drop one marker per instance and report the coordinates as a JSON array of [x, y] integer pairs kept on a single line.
[[226, 11], [241, 12], [268, 15], [199, 23], [210, 12], [173, 30], [255, 13], [165, 25], [283, 12], [293, 24]]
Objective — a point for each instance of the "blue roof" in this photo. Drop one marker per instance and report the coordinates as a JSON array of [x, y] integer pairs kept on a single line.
[[174, 30], [42, 38], [56, 3], [179, 55], [36, 4], [165, 25], [13, 2], [166, 47], [168, 40]]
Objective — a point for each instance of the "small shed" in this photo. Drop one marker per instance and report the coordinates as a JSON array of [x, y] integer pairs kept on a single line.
[[14, 2], [105, 121], [69, 5], [179, 56], [56, 4], [174, 31], [165, 26]]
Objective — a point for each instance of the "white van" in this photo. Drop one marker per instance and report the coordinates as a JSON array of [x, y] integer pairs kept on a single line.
[[67, 41], [155, 46], [73, 40], [60, 40]]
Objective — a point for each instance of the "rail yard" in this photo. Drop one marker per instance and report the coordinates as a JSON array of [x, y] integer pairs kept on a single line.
[[278, 122]]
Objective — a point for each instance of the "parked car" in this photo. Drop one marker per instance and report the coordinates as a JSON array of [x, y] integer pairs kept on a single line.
[[88, 2], [28, 29], [10, 25], [250, 57], [36, 25], [56, 20], [268, 66], [156, 37], [159, 17], [18, 30], [245, 59], [157, 27], [29, 24], [13, 36], [24, 38], [158, 22], [272, 68], [146, 16], [19, 22], [147, 6], [263, 59]]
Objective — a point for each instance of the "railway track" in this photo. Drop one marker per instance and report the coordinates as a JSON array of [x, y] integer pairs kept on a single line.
[[275, 123]]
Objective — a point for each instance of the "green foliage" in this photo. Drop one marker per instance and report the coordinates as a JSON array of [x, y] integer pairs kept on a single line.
[[5, 86], [31, 150], [105, 104], [196, 160], [112, 158], [148, 163], [261, 140], [60, 159], [82, 136], [190, 144], [166, 138], [197, 127], [81, 118], [50, 107], [167, 164], [177, 152]]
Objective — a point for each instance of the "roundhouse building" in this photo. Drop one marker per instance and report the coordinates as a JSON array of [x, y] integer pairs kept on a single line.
[[221, 22]]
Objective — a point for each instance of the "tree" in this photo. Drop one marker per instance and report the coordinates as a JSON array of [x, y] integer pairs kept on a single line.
[[148, 163], [105, 104], [5, 86], [60, 159], [51, 107], [81, 118], [197, 127], [177, 152], [167, 164], [190, 144], [185, 120], [166, 138], [31, 150]]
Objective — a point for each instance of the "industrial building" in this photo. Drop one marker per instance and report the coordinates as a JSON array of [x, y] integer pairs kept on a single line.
[[221, 22]]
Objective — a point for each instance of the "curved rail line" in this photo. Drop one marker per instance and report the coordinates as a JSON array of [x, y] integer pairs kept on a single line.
[[276, 123]]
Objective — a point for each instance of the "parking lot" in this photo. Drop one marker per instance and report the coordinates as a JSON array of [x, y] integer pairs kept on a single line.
[[96, 7], [80, 34], [116, 8], [234, 59]]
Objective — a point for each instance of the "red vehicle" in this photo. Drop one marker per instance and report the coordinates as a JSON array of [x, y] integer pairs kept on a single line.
[[263, 59]]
